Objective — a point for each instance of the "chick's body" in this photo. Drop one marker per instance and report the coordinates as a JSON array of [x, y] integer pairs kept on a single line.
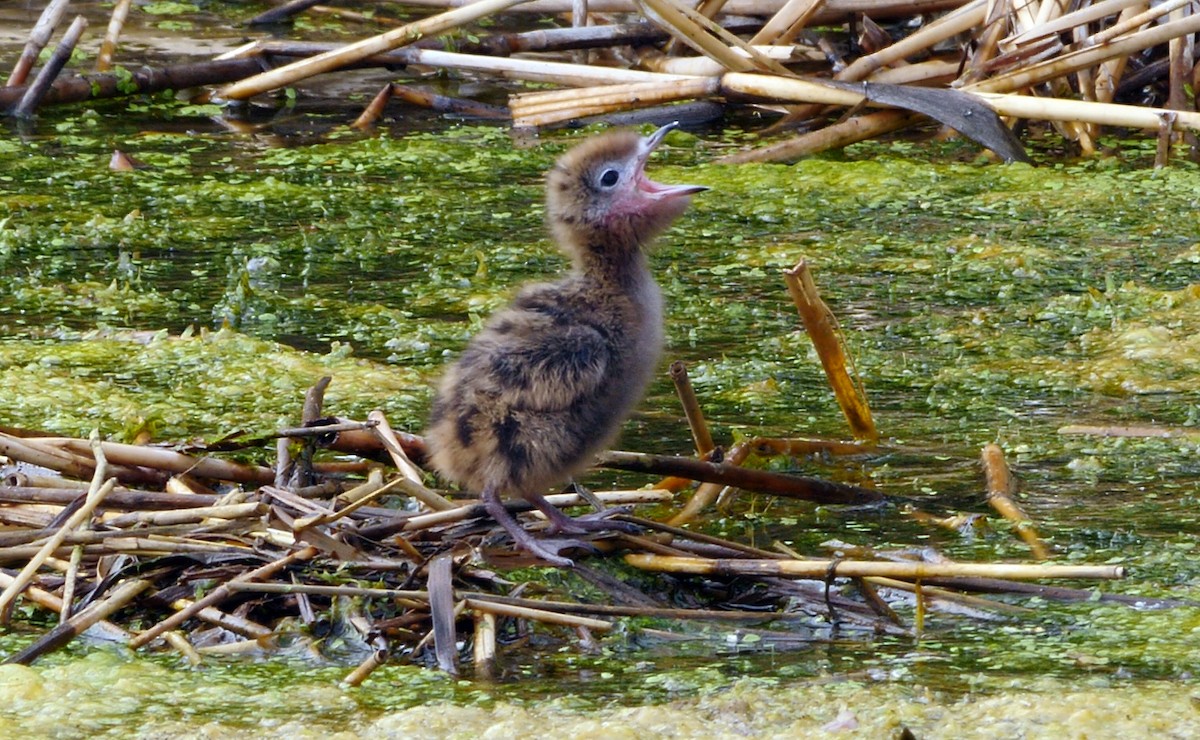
[[549, 380]]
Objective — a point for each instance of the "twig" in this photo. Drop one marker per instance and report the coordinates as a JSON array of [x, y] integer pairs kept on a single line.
[[691, 408], [821, 569], [76, 625], [829, 343], [62, 54], [109, 46], [999, 487], [38, 38]]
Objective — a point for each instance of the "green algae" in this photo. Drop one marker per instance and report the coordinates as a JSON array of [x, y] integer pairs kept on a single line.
[[982, 303]]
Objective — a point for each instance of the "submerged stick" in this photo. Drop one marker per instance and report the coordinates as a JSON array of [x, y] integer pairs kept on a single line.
[[827, 339], [824, 569], [999, 487]]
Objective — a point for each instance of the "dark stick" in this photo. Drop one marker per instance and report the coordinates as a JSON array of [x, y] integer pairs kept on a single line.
[[282, 13], [116, 500], [38, 38], [759, 481], [62, 54]]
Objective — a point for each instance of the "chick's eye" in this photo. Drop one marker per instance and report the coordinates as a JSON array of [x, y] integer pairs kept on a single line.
[[609, 178]]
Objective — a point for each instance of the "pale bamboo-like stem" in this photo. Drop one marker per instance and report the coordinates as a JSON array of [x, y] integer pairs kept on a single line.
[[1125, 25], [220, 593], [38, 38], [484, 643], [822, 569], [964, 19], [927, 72], [656, 61], [1180, 72], [1087, 57], [410, 483], [109, 46], [792, 18], [1082, 16], [35, 452], [69, 579], [710, 39], [225, 620], [635, 94], [976, 602], [999, 488], [187, 516], [94, 498], [561, 500], [707, 493], [375, 660], [356, 52], [1021, 106], [652, 94], [175, 462], [176, 639], [830, 344], [537, 615], [995, 26], [701, 435]]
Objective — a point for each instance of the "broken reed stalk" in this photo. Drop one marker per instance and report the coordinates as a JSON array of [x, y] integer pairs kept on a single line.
[[707, 493], [76, 625], [788, 22], [375, 660], [164, 459], [220, 593], [484, 644], [94, 498], [38, 38], [908, 571], [537, 615], [541, 109], [829, 343], [412, 474], [691, 408], [109, 46], [356, 52], [62, 54], [1000, 485]]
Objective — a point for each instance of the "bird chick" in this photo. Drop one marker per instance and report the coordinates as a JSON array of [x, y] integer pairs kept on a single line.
[[548, 381]]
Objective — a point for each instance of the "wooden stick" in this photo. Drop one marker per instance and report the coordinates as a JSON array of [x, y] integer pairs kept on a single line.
[[186, 516], [829, 343], [411, 481], [822, 569], [838, 135], [78, 624], [760, 481], [537, 615], [485, 644], [1000, 485], [220, 593], [62, 54], [281, 13], [38, 38], [707, 493], [94, 497], [125, 499], [355, 52], [791, 19], [376, 659], [176, 640], [175, 462], [701, 436], [109, 46]]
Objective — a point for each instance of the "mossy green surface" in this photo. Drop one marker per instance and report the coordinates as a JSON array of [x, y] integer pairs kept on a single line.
[[981, 302]]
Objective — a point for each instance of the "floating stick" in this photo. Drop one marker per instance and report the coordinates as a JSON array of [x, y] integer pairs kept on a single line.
[[822, 569], [829, 343], [999, 487]]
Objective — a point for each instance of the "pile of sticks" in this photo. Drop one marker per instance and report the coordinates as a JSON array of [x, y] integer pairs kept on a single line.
[[342, 535], [839, 70]]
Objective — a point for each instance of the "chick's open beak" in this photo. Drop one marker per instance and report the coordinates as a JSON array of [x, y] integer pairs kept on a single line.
[[656, 189]]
